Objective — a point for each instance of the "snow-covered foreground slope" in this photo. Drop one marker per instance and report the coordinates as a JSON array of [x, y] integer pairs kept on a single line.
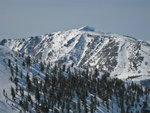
[[80, 90], [124, 57], [5, 82], [7, 104]]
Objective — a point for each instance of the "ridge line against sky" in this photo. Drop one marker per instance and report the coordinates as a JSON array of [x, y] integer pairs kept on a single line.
[[23, 18]]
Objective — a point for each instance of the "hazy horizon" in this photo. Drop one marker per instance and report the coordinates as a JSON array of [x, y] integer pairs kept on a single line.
[[24, 18]]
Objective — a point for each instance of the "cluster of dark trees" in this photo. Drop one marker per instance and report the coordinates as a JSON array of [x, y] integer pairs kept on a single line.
[[64, 89]]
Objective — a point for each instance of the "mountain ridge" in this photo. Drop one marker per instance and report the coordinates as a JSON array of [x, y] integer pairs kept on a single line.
[[85, 47]]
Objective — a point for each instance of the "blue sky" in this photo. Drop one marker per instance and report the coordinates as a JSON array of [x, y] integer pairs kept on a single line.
[[23, 18]]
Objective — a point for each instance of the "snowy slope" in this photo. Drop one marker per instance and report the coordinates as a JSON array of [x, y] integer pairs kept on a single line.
[[6, 104], [5, 82], [123, 56]]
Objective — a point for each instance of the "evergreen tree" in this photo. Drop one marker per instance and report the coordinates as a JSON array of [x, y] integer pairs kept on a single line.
[[79, 106], [16, 69], [29, 98], [42, 66], [23, 64], [29, 85], [9, 62], [22, 93], [64, 68], [12, 71], [34, 79], [37, 94], [57, 90], [47, 68], [16, 81], [28, 61], [21, 74], [13, 93], [92, 105]]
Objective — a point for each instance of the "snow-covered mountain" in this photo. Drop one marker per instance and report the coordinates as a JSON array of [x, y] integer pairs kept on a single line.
[[122, 56]]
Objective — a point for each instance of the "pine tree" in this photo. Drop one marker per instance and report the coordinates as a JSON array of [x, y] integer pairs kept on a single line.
[[9, 62], [22, 93], [64, 68], [12, 71], [29, 85], [16, 69], [85, 105], [37, 94], [16, 81], [74, 107], [92, 105], [47, 80], [23, 64], [55, 70], [112, 105], [107, 103], [42, 66], [45, 89], [96, 73], [28, 61], [79, 106], [22, 54], [21, 103], [47, 68], [34, 79], [13, 93], [40, 85], [21, 74], [26, 105], [29, 98]]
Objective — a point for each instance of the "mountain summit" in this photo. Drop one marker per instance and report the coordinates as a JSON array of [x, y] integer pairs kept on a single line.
[[87, 28], [122, 56]]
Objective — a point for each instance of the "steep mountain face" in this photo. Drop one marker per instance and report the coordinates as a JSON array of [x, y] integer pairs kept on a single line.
[[122, 56]]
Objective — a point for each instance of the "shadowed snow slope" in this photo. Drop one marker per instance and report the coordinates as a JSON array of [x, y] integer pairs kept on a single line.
[[5, 82]]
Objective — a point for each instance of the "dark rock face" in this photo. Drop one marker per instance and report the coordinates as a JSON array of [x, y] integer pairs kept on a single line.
[[110, 52]]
